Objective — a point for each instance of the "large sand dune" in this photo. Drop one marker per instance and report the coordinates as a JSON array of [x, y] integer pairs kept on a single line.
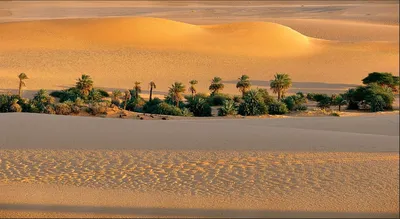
[[118, 51], [297, 167]]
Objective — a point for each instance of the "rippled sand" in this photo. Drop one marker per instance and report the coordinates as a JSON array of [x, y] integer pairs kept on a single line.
[[294, 167]]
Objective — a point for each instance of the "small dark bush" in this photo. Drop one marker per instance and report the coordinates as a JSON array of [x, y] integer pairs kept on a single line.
[[277, 108], [62, 109], [167, 109]]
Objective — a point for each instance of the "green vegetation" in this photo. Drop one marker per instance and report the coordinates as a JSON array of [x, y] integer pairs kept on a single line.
[[216, 85], [243, 84], [376, 95], [22, 84], [229, 108], [192, 87], [383, 79], [281, 84], [253, 104]]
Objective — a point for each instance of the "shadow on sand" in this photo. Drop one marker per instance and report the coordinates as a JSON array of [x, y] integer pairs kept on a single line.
[[186, 212]]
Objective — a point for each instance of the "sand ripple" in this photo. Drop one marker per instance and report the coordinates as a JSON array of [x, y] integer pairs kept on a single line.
[[255, 174]]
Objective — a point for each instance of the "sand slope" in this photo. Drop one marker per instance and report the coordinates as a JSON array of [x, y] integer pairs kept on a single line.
[[249, 38], [118, 51]]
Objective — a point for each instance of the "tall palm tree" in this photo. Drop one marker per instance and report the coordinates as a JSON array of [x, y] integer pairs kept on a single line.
[[216, 85], [116, 94], [243, 84], [138, 89], [281, 84], [127, 97], [21, 77], [175, 92], [84, 84], [152, 86], [192, 87]]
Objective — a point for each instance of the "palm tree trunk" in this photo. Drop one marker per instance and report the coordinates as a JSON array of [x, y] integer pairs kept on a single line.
[[279, 95], [151, 93], [339, 107], [20, 88]]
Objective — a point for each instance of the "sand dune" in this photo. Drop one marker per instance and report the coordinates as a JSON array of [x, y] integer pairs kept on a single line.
[[118, 51], [264, 168], [248, 38]]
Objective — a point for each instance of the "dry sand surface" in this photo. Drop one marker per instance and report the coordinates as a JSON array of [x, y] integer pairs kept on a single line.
[[63, 166], [324, 46], [294, 167]]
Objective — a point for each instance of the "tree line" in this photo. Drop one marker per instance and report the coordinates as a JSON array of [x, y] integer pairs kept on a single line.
[[377, 94]]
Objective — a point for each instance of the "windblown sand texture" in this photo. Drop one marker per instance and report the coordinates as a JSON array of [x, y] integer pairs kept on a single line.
[[302, 167], [64, 166]]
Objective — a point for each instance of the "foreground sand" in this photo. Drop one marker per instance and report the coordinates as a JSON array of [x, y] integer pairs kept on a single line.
[[80, 166]]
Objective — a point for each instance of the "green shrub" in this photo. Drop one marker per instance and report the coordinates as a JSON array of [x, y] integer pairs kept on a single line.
[[237, 99], [367, 96], [268, 99], [228, 108], [335, 114], [218, 99], [43, 102], [103, 93], [295, 102], [198, 106], [253, 104], [151, 106], [167, 109], [97, 108], [63, 109], [277, 108], [377, 103]]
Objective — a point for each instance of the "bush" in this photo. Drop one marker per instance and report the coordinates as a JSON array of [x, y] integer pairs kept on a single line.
[[228, 108], [253, 104], [218, 99], [237, 99], [103, 93], [295, 102], [63, 109], [277, 108], [49, 109], [151, 106], [268, 99], [367, 95], [15, 107], [97, 108], [135, 105], [377, 103], [70, 94], [167, 109], [198, 106]]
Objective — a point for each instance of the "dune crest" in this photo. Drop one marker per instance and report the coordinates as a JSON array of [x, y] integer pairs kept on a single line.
[[243, 38]]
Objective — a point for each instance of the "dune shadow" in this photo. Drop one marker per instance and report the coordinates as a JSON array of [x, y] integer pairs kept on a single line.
[[306, 87], [186, 212]]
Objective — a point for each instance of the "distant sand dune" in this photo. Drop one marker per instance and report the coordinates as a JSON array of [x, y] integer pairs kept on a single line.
[[247, 38], [118, 51]]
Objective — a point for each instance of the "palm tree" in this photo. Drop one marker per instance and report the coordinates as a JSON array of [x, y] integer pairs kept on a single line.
[[216, 85], [175, 92], [138, 89], [152, 86], [192, 87], [243, 84], [127, 97], [21, 77], [84, 84], [116, 94], [280, 84]]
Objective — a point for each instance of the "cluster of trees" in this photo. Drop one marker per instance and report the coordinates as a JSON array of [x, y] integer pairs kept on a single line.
[[377, 94]]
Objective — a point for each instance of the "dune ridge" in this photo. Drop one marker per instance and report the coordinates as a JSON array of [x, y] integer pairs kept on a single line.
[[241, 38]]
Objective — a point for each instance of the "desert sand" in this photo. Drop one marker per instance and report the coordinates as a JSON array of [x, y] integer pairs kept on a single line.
[[82, 166], [321, 45], [65, 166]]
